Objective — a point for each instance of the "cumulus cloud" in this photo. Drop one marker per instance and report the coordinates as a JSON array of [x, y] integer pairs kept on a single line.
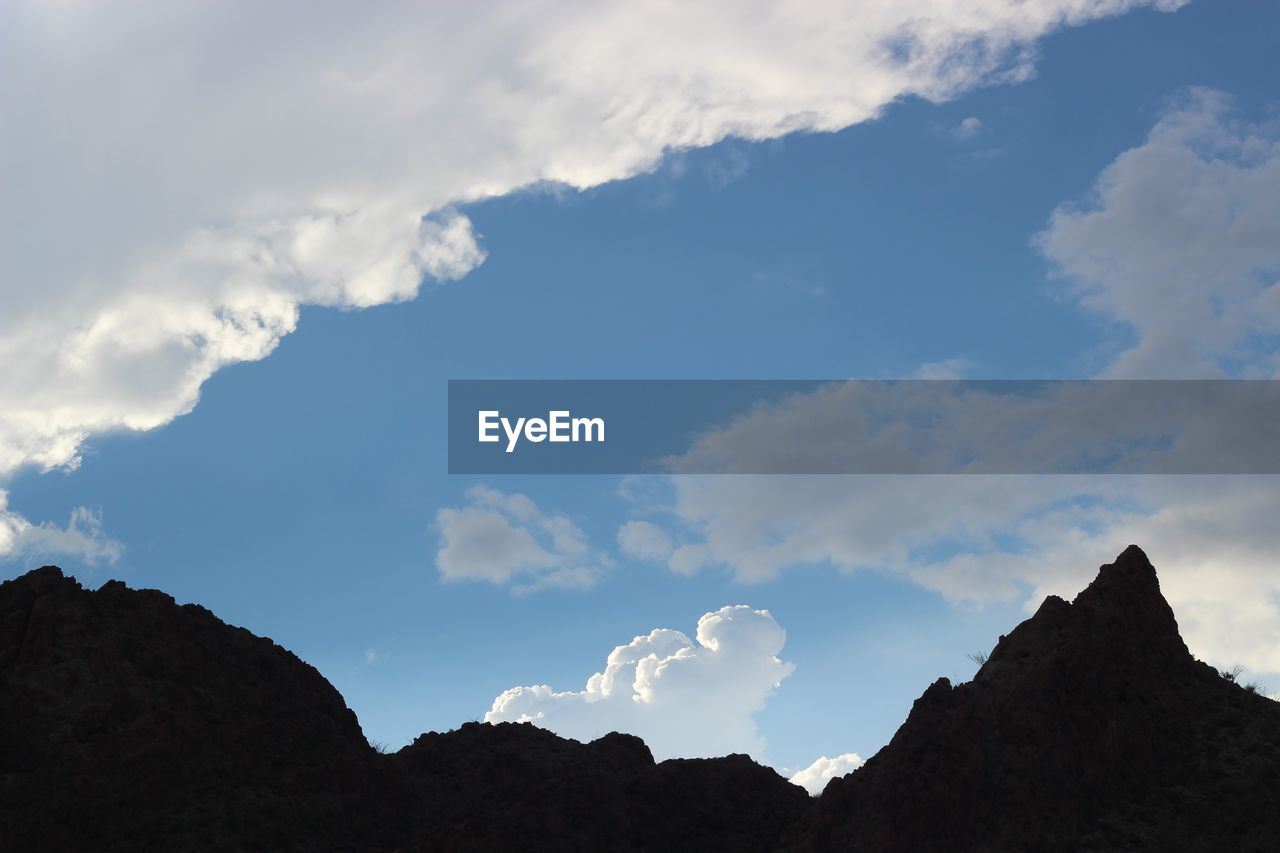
[[83, 538], [504, 538], [685, 698], [181, 178], [815, 777], [1180, 242]]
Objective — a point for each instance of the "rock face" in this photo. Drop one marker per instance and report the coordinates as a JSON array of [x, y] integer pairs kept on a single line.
[[129, 723], [1090, 727]]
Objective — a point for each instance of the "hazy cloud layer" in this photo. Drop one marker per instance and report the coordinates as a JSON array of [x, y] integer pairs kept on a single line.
[[687, 698], [181, 177], [944, 427], [816, 776], [504, 538]]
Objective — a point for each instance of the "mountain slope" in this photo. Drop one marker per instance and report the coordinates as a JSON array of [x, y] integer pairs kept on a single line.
[[1090, 727], [126, 719]]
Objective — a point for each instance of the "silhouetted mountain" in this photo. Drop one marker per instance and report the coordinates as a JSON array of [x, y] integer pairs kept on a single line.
[[518, 787], [1090, 727], [129, 723]]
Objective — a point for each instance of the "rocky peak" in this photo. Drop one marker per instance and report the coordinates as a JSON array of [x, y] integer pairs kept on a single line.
[[1090, 726], [1121, 620]]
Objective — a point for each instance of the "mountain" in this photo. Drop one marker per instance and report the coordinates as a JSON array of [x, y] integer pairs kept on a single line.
[[130, 723], [1089, 727]]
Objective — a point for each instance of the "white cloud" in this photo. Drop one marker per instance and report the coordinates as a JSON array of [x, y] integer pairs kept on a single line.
[[685, 698], [968, 128], [501, 538], [646, 541], [1181, 242], [816, 776], [181, 178], [83, 537]]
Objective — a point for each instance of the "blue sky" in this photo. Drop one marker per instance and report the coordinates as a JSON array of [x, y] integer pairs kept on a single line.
[[300, 497]]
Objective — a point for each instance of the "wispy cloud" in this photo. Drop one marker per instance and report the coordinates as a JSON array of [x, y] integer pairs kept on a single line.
[[506, 539], [83, 538]]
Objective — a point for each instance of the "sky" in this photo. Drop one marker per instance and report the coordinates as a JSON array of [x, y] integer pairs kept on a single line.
[[243, 252]]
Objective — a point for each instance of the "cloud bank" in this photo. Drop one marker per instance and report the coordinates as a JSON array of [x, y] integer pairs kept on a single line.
[[181, 178], [685, 698]]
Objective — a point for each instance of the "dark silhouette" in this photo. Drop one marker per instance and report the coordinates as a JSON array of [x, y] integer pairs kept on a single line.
[[130, 723], [1089, 728]]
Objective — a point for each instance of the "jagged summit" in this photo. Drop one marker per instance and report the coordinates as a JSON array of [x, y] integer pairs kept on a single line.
[[1128, 587], [1120, 618]]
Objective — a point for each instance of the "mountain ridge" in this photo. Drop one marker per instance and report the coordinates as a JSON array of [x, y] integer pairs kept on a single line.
[[129, 722]]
